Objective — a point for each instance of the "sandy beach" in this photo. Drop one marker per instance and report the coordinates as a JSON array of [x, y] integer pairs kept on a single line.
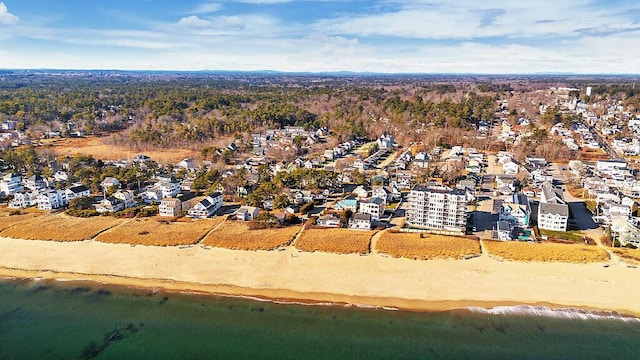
[[373, 280]]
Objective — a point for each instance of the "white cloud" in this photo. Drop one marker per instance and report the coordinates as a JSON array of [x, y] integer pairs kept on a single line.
[[207, 8], [6, 17], [193, 21]]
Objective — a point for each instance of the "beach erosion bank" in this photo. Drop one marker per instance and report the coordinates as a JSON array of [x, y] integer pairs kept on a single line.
[[294, 276]]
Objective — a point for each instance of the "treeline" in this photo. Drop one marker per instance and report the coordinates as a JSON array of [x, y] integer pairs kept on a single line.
[[176, 110]]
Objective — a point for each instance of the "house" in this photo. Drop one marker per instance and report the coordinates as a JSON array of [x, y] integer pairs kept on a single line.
[[349, 203], [517, 210], [10, 184], [23, 199], [553, 216], [109, 182], [385, 141], [610, 165], [207, 206], [151, 196], [510, 168], [110, 204], [373, 207], [550, 194], [504, 230], [140, 158], [553, 211], [170, 187], [170, 207], [35, 182], [127, 197], [360, 221], [292, 209], [247, 213], [50, 200], [61, 176], [329, 220], [76, 191], [361, 192], [188, 164]]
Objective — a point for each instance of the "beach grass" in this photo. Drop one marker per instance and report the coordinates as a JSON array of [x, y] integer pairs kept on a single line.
[[237, 235], [61, 227], [337, 241], [426, 246], [158, 231], [543, 252], [11, 217], [630, 256]]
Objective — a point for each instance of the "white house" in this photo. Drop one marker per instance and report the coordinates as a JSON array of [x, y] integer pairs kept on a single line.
[[247, 213], [360, 221], [373, 207], [504, 230], [510, 168], [110, 204], [188, 164], [23, 199], [553, 212], [329, 220], [170, 188], [169, 207], [109, 182], [34, 182], [11, 183], [50, 200], [127, 197], [207, 206], [76, 191]]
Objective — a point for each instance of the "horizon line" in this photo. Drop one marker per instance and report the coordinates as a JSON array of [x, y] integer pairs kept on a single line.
[[328, 72]]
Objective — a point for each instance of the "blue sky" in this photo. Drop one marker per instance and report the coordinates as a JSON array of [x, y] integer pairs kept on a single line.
[[455, 36]]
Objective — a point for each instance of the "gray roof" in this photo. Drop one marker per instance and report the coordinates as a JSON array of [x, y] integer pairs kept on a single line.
[[438, 190], [361, 216], [503, 225], [551, 192], [554, 209]]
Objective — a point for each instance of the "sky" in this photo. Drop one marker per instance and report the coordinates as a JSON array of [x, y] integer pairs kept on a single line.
[[386, 36]]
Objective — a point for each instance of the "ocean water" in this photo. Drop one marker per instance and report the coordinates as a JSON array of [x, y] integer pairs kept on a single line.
[[81, 320]]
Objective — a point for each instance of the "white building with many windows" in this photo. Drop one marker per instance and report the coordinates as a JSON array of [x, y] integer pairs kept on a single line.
[[438, 209], [553, 211]]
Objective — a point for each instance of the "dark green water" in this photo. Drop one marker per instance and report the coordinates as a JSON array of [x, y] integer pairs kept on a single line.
[[54, 320]]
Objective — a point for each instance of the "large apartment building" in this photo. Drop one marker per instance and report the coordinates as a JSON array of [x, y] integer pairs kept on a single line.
[[438, 209]]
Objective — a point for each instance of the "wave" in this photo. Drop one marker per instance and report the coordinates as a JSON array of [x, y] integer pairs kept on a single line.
[[563, 313]]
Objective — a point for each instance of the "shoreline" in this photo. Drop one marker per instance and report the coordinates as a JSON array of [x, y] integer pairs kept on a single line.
[[319, 279], [284, 296]]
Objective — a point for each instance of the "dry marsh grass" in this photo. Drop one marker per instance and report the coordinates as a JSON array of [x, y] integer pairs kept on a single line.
[[338, 241], [7, 220], [521, 251], [412, 246], [61, 227], [236, 235], [157, 231], [630, 256], [100, 148]]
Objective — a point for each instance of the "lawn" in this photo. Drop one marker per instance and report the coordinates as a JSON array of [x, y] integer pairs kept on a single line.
[[157, 231], [524, 251], [61, 227], [427, 246], [338, 241], [573, 235], [237, 235]]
